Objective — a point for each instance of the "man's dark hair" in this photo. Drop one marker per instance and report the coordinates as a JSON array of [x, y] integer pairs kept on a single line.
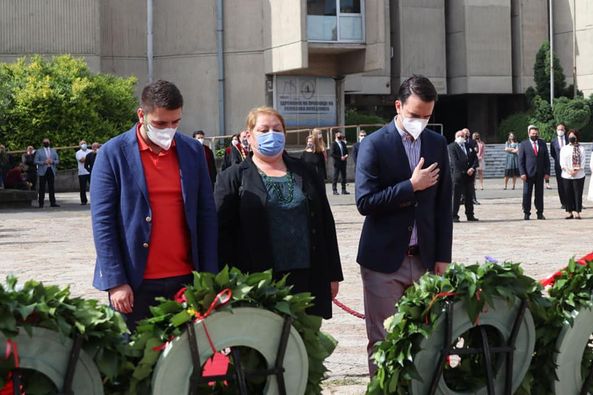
[[418, 85], [561, 123], [162, 94], [200, 132]]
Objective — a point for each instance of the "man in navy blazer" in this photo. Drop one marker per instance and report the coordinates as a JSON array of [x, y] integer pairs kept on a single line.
[[403, 187], [153, 213], [534, 168], [555, 146]]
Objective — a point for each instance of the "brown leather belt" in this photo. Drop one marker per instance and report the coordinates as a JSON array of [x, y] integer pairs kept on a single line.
[[413, 250]]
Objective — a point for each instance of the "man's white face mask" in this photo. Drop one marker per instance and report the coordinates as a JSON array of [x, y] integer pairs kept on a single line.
[[161, 137], [414, 126]]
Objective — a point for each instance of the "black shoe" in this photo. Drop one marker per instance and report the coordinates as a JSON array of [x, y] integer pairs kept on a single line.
[[336, 193], [55, 205], [472, 219], [41, 206], [455, 219], [526, 217], [345, 192], [540, 216], [83, 203], [569, 217]]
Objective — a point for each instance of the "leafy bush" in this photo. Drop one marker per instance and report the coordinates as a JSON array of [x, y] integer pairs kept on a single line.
[[354, 117], [516, 123], [61, 99], [575, 113]]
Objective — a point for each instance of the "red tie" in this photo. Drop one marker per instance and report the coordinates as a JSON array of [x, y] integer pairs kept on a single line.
[[535, 148]]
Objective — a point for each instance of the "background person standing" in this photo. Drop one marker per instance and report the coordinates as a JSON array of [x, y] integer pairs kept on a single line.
[[28, 159], [339, 154], [47, 159], [83, 173], [560, 141], [572, 161]]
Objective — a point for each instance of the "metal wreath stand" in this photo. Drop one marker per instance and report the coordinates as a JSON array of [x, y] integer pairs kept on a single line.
[[241, 374], [485, 349], [70, 370]]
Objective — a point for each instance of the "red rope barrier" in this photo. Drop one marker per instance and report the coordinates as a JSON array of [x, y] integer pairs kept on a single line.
[[348, 309]]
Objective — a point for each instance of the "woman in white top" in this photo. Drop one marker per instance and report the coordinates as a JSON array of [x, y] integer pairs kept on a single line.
[[572, 161]]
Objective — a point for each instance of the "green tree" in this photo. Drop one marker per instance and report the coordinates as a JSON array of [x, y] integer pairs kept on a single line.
[[541, 73], [61, 99], [575, 113]]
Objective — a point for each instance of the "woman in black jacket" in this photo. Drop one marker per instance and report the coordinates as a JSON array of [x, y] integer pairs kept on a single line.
[[273, 213]]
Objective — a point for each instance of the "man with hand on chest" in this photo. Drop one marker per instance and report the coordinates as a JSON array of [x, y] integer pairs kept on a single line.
[[403, 188]]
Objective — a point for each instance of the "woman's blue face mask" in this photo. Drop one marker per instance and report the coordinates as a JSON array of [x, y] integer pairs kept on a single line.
[[270, 143]]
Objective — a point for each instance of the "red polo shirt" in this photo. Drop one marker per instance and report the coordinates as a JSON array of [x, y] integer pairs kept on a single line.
[[169, 246]]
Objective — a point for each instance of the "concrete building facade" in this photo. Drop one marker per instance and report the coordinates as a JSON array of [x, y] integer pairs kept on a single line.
[[311, 58]]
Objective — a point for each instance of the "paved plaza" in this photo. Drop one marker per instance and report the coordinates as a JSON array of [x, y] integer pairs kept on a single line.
[[55, 245]]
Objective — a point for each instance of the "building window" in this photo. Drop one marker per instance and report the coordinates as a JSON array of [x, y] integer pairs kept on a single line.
[[335, 20]]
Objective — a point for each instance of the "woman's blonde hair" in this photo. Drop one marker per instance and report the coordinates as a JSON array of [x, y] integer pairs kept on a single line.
[[318, 140], [252, 116]]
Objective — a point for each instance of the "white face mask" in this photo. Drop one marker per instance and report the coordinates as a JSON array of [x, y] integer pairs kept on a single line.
[[83, 147], [560, 132], [361, 138], [201, 141], [459, 140], [161, 137], [414, 126]]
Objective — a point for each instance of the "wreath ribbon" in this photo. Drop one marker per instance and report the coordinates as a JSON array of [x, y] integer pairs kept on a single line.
[[551, 279]]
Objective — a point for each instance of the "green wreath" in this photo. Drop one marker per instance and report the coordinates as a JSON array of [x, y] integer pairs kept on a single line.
[[248, 290], [34, 305], [475, 287]]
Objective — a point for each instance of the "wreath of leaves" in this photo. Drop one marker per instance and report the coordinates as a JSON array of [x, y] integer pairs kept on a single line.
[[423, 303], [51, 307], [254, 290]]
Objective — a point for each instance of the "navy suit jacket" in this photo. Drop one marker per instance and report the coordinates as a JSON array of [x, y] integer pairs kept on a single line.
[[555, 153], [531, 165], [385, 196], [120, 209]]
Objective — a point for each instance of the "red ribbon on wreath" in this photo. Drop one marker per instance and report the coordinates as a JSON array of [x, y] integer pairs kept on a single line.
[[11, 349], [217, 365], [551, 279]]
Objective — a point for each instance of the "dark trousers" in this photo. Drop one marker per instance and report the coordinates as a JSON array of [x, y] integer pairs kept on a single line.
[[83, 181], [464, 187], [536, 182], [574, 194], [339, 169], [561, 187], [48, 178], [150, 289]]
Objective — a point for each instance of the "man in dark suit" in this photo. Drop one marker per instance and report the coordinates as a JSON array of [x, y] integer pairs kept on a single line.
[[403, 188], [555, 146], [464, 162], [361, 135], [339, 153], [153, 213], [210, 159], [534, 168]]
